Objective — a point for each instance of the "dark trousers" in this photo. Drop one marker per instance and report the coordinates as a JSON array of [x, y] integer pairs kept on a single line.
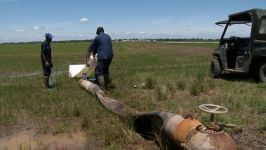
[[102, 68], [46, 69]]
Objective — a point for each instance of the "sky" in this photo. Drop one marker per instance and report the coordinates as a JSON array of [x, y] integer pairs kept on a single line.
[[29, 20]]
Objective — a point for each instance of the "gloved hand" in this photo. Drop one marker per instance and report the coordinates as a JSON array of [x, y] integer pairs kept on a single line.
[[87, 60], [47, 64]]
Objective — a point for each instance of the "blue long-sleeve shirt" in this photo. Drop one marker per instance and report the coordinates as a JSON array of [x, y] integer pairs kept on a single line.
[[102, 45]]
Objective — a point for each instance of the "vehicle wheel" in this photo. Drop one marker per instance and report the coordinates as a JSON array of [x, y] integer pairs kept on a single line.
[[215, 69], [262, 72]]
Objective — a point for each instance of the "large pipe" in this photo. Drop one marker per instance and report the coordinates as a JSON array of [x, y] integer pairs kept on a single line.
[[176, 132]]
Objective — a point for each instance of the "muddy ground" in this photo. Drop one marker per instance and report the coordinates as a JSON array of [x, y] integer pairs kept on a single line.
[[27, 134]]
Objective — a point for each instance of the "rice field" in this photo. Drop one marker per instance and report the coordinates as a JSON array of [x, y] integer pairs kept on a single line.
[[149, 76]]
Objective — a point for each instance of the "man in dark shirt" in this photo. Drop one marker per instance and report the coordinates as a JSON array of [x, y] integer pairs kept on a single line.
[[46, 58], [102, 46]]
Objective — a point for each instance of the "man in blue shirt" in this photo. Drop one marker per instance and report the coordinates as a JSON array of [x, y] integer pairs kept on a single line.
[[46, 59], [102, 46]]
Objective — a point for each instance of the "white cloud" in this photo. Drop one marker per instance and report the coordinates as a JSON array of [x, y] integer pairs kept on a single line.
[[84, 19], [36, 28], [20, 30], [142, 32]]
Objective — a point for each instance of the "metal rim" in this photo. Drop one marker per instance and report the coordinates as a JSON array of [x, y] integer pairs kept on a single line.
[[212, 108]]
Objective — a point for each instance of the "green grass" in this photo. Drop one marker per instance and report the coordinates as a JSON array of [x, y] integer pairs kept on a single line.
[[169, 77]]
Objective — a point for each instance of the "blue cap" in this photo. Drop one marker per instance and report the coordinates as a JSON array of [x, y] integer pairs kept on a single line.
[[48, 35]]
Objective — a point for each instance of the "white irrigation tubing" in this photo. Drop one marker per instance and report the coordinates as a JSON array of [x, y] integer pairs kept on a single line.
[[20, 75], [172, 66], [188, 42]]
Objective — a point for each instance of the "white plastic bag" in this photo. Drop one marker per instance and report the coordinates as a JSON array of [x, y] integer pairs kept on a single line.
[[77, 71]]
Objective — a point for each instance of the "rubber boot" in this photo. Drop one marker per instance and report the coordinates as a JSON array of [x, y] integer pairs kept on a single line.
[[108, 84], [46, 82], [101, 83], [107, 79]]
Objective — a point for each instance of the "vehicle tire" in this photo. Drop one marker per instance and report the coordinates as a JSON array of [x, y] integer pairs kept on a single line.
[[262, 72], [215, 69]]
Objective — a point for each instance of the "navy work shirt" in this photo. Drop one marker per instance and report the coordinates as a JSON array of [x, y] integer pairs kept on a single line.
[[46, 51], [102, 45]]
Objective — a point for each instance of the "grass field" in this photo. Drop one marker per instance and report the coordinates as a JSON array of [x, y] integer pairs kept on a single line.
[[171, 77]]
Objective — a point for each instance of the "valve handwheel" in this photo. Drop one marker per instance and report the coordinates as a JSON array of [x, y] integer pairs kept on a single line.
[[212, 108]]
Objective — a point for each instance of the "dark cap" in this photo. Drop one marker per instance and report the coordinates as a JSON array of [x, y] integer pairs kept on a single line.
[[48, 35], [99, 30]]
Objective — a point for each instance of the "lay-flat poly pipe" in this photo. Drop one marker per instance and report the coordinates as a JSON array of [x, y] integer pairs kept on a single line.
[[176, 132]]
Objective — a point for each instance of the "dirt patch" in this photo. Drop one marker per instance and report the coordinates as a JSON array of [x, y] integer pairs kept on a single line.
[[250, 138], [29, 139], [26, 135], [142, 145]]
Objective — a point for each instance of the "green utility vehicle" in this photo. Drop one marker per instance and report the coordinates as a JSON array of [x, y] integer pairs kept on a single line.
[[242, 47]]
